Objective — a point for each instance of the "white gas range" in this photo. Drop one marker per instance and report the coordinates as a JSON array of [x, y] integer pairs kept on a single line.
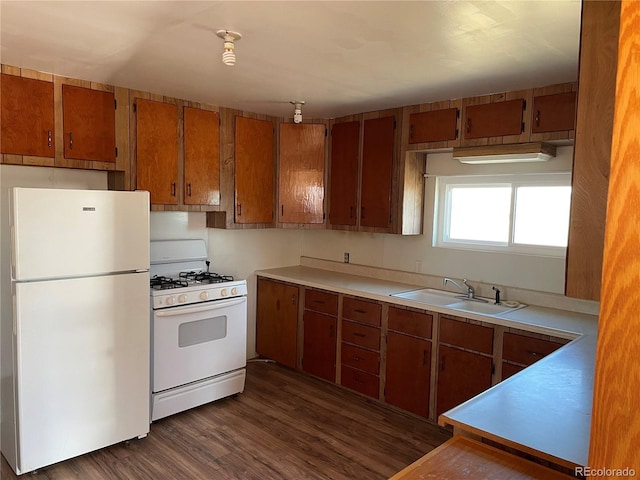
[[198, 329]]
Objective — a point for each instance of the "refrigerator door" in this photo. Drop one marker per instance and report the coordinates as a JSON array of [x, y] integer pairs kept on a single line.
[[82, 365], [68, 233]]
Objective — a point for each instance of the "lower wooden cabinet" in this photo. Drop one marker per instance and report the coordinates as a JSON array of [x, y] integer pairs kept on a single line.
[[277, 321], [319, 346], [465, 362], [408, 373], [520, 350]]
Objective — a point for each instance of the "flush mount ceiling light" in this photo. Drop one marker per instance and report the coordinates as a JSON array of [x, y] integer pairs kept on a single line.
[[297, 111], [228, 55]]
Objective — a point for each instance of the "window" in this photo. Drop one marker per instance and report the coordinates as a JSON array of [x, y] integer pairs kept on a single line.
[[509, 213]]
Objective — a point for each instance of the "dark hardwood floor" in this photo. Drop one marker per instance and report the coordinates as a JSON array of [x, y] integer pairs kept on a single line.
[[285, 425]]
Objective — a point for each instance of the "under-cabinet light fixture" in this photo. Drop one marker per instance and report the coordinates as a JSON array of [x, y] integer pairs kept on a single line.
[[229, 37], [515, 153]]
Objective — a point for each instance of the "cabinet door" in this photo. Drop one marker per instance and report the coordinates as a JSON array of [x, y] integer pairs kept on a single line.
[[461, 376], [254, 172], [276, 321], [157, 150], [408, 373], [554, 113], [377, 167], [345, 140], [319, 350], [27, 117], [201, 157], [494, 119], [433, 126], [301, 176], [89, 124]]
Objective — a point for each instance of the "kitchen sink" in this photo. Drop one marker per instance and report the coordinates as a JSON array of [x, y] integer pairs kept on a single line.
[[452, 300], [481, 307], [430, 296]]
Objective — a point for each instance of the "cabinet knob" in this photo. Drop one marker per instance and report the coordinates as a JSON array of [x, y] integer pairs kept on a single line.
[[70, 140]]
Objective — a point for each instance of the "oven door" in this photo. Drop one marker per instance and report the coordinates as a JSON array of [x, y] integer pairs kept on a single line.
[[195, 342]]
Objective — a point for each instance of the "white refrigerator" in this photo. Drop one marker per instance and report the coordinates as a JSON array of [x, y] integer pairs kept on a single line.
[[75, 352]]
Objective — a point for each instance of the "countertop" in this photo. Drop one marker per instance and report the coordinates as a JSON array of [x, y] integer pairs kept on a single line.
[[544, 410]]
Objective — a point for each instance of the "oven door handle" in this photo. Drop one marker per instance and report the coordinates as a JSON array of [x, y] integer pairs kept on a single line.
[[172, 312]]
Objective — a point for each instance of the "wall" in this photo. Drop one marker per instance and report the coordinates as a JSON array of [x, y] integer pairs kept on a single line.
[[234, 252], [415, 253], [20, 176]]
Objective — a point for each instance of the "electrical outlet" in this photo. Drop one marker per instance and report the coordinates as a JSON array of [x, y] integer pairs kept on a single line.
[[346, 257]]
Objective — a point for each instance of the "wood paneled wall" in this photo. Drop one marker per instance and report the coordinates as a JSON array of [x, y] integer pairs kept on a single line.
[[615, 428], [594, 124]]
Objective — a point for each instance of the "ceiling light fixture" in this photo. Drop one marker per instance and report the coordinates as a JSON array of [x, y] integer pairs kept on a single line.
[[297, 111], [228, 55], [507, 153]]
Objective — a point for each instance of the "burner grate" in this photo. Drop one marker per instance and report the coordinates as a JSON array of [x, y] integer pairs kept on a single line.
[[205, 277], [163, 283]]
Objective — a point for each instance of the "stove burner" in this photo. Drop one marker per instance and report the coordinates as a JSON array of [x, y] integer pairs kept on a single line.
[[164, 283], [205, 277]]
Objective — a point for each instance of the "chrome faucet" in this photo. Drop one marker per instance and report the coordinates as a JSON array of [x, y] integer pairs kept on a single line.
[[469, 291]]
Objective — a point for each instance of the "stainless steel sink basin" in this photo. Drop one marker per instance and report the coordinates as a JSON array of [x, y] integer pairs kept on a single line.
[[481, 307], [428, 296]]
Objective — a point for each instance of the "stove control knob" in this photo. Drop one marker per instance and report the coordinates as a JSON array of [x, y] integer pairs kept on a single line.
[[182, 298], [234, 291], [170, 300], [224, 292], [204, 296]]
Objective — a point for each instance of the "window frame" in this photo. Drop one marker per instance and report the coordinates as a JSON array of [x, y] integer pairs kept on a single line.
[[442, 209]]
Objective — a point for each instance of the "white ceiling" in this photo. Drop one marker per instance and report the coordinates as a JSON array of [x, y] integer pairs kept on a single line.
[[341, 57]]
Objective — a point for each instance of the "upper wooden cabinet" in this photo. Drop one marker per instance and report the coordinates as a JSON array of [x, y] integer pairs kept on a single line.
[[254, 170], [345, 152], [201, 157], [157, 150], [27, 117], [301, 174], [494, 119], [553, 113], [378, 150], [89, 124], [434, 126]]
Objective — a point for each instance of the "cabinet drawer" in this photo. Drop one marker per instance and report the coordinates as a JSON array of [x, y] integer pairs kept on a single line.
[[433, 126], [466, 335], [360, 381], [362, 335], [410, 322], [526, 350], [362, 311], [361, 359], [319, 301]]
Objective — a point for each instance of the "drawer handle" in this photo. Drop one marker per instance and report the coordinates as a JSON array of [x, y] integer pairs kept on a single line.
[[361, 335], [49, 138], [359, 310], [319, 301], [358, 381], [535, 354], [70, 140], [468, 125], [239, 209], [537, 118], [356, 358]]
